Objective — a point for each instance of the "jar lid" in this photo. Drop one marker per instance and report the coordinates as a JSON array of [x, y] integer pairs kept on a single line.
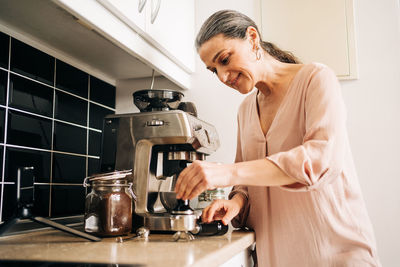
[[111, 178], [110, 175]]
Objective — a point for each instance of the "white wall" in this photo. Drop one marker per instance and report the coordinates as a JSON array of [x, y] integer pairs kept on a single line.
[[372, 102], [374, 119]]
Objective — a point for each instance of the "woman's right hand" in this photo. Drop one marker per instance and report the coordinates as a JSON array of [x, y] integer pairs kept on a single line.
[[221, 209]]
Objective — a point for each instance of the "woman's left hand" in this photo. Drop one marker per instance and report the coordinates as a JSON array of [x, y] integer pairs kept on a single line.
[[200, 176]]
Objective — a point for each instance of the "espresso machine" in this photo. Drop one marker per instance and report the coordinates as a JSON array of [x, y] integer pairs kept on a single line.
[[157, 143]]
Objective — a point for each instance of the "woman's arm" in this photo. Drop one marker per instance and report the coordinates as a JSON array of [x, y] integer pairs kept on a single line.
[[201, 175]]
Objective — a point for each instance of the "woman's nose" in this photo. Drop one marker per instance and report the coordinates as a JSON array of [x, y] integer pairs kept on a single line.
[[223, 76]]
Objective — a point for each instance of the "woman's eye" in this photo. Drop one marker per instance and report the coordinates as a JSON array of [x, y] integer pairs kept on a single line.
[[225, 61]]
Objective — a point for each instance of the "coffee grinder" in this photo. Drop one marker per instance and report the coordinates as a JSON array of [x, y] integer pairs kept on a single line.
[[157, 144]]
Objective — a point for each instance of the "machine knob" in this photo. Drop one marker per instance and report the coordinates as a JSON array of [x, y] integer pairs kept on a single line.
[[197, 127]]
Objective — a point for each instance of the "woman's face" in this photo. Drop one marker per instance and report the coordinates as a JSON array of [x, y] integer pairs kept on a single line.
[[232, 60]]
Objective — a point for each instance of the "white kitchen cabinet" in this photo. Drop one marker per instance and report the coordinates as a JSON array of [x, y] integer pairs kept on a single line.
[[99, 19], [242, 259], [314, 31], [173, 30], [132, 12], [167, 24]]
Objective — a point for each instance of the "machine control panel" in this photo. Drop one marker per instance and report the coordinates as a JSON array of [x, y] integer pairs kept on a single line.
[[155, 122]]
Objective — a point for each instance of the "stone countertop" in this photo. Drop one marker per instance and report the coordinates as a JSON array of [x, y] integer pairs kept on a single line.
[[159, 250]]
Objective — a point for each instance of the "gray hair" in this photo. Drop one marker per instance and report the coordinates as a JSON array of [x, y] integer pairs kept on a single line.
[[233, 24]]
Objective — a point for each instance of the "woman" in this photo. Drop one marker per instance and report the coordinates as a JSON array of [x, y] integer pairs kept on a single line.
[[294, 178]]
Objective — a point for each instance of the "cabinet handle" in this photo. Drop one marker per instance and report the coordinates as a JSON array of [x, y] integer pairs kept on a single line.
[[142, 3], [154, 12]]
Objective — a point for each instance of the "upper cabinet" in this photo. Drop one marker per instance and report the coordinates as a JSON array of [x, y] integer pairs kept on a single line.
[[314, 31], [132, 12], [171, 28], [166, 24], [111, 39], [151, 30]]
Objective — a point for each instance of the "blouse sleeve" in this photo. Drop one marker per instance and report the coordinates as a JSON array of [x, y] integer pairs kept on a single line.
[[319, 159], [240, 220]]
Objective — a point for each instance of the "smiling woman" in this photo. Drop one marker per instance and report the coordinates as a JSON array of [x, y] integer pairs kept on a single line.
[[294, 178]]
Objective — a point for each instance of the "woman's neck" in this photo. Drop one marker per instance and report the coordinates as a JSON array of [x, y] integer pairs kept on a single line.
[[275, 76]]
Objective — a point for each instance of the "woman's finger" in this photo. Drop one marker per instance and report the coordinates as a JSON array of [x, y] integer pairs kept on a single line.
[[182, 181], [204, 214], [229, 215], [190, 184], [182, 174], [198, 189], [216, 205]]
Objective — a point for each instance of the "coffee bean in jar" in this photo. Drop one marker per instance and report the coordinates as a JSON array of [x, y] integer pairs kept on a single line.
[[108, 207]]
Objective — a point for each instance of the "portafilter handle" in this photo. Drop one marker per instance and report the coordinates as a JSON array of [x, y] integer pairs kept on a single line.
[[210, 229]]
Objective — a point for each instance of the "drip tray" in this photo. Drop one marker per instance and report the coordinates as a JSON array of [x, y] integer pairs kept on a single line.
[[21, 263]]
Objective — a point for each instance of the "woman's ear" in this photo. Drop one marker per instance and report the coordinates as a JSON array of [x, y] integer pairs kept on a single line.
[[253, 37]]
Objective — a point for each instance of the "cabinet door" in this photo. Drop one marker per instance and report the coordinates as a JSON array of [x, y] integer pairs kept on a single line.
[[314, 31], [132, 12], [172, 31]]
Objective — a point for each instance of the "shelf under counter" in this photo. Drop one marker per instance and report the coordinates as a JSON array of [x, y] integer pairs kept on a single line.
[[159, 250]]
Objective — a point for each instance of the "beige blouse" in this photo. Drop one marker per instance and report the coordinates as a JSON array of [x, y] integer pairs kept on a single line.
[[321, 220]]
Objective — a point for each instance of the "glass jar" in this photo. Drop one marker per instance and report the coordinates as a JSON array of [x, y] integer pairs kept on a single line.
[[109, 205], [208, 196]]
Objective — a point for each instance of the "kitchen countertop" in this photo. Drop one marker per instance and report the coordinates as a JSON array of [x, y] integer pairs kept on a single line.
[[159, 250]]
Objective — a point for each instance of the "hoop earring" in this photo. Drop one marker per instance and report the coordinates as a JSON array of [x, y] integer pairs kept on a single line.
[[258, 54]]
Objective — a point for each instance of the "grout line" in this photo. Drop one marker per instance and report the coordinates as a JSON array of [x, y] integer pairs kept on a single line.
[[61, 90], [48, 118], [50, 151], [59, 184], [29, 113], [29, 78], [87, 133], [52, 133], [49, 184], [70, 123], [5, 129]]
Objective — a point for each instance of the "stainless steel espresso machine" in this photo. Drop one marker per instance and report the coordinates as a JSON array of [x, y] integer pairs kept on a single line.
[[157, 144]]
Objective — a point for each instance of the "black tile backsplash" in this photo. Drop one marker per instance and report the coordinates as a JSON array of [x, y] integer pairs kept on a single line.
[[28, 130], [67, 200], [70, 108], [102, 92], [31, 62], [97, 114], [94, 143], [69, 138], [71, 79], [9, 200], [30, 96], [41, 200], [93, 166], [18, 157], [2, 114], [4, 50], [3, 87], [46, 124], [68, 168]]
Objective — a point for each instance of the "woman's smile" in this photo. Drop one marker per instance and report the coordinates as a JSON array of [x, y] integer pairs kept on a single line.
[[234, 82]]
